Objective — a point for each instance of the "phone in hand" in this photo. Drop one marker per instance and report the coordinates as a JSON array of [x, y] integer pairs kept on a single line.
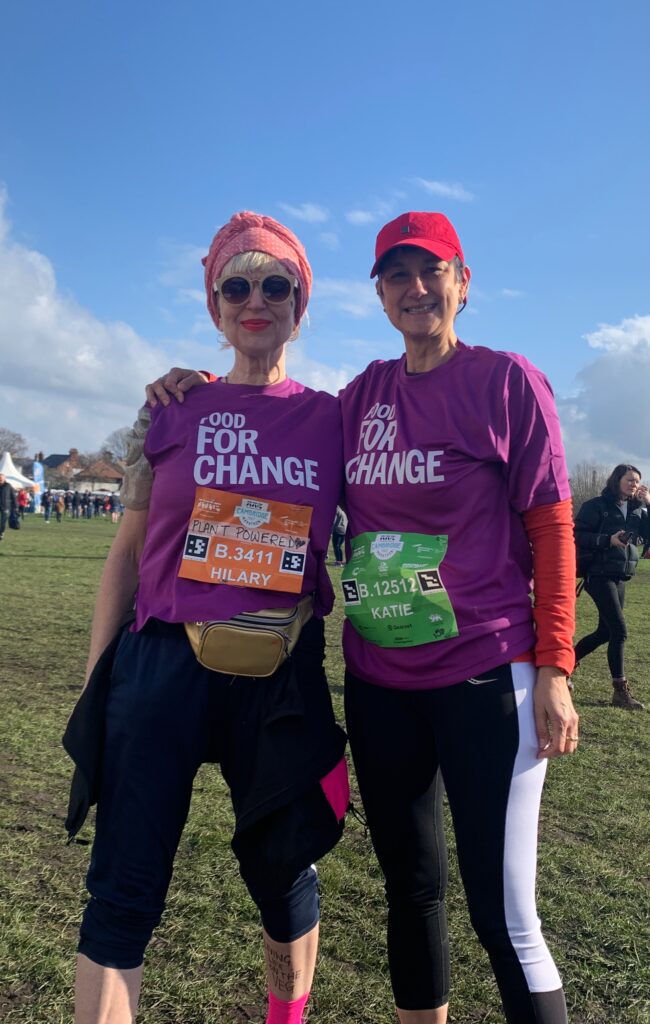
[[626, 537]]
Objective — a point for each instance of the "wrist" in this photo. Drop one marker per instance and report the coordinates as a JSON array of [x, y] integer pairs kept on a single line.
[[552, 674]]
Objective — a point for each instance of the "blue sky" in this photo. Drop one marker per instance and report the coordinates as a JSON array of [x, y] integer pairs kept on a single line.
[[130, 131]]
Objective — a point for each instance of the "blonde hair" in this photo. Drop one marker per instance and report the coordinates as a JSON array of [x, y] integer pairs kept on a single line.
[[247, 262]]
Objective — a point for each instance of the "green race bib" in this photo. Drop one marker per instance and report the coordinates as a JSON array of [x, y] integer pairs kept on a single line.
[[393, 592]]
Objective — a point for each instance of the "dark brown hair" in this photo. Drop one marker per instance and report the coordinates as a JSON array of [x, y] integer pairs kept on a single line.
[[614, 478]]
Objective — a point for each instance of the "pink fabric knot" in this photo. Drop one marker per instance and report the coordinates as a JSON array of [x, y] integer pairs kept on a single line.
[[253, 232]]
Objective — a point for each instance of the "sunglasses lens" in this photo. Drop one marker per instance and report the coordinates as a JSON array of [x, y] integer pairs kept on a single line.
[[276, 288], [235, 290]]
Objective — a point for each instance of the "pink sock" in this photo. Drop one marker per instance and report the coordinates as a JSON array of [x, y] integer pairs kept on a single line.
[[286, 1013]]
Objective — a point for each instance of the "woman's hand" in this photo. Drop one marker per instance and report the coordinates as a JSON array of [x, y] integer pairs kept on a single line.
[[616, 540], [175, 383], [556, 719]]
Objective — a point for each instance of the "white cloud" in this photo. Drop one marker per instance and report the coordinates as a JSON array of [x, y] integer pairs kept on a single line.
[[608, 420], [191, 295], [358, 298], [315, 374], [182, 264], [311, 213], [378, 211], [512, 293], [446, 189], [361, 216], [68, 378], [365, 351], [632, 333], [330, 239]]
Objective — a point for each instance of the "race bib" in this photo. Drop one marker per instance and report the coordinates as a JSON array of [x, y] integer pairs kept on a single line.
[[393, 591], [246, 542]]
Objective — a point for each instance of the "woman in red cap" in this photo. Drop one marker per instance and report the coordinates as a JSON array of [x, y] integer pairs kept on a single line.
[[457, 496], [230, 499]]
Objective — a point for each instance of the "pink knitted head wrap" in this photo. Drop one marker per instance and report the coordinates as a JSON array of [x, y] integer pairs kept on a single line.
[[252, 232]]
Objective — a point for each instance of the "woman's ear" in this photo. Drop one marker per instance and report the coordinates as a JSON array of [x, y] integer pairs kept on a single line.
[[467, 276]]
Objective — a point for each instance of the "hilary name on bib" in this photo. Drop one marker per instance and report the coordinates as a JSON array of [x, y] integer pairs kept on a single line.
[[243, 541]]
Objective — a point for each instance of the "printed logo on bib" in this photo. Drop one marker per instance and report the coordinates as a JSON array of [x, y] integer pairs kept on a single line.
[[393, 590], [253, 513], [378, 463], [242, 541], [386, 545]]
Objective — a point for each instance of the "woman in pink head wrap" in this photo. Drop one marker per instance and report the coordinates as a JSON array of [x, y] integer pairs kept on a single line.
[[230, 497]]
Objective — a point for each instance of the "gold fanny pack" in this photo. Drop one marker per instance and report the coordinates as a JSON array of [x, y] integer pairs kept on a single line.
[[252, 643]]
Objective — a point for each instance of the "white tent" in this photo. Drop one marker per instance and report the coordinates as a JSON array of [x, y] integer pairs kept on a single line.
[[13, 475]]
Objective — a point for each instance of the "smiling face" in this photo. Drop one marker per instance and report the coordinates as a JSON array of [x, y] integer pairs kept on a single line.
[[421, 293], [257, 329]]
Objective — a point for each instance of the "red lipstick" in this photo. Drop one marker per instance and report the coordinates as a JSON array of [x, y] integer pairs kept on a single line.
[[255, 325]]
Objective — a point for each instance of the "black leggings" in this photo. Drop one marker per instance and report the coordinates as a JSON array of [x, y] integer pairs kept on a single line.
[[479, 735], [338, 540], [609, 597]]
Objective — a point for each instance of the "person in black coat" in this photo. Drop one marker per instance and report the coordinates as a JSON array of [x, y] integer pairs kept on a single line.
[[7, 503], [607, 531]]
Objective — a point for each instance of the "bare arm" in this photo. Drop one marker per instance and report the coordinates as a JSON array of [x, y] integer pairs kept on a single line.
[[118, 583]]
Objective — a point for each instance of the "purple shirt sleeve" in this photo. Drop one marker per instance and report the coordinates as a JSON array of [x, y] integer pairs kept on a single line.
[[530, 441]]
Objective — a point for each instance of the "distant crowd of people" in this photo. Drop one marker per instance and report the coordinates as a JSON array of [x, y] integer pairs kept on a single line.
[[74, 504]]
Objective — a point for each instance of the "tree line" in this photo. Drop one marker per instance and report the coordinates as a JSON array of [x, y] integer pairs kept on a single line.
[[113, 451]]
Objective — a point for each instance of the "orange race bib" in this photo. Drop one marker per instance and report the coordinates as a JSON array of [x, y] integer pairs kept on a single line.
[[246, 542]]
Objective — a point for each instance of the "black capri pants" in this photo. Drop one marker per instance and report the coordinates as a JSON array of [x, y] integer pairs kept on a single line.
[[165, 716]]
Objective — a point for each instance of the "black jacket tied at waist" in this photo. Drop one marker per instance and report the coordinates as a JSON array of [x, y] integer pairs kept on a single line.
[[281, 813]]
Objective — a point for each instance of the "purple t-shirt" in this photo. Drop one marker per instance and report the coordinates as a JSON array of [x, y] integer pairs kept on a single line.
[[279, 442], [462, 450]]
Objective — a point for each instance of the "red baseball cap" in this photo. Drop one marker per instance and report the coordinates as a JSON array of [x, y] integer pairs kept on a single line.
[[430, 231]]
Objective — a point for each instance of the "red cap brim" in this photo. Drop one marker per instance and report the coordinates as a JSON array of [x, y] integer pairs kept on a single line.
[[440, 249]]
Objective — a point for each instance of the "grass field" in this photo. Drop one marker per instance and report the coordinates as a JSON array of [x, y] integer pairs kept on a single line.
[[204, 964]]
